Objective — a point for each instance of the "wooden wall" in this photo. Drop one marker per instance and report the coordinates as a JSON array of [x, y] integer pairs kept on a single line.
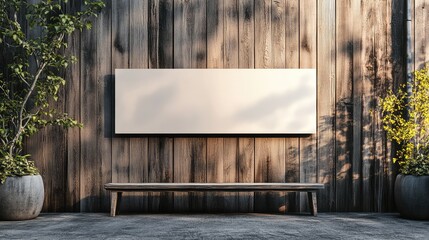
[[358, 48]]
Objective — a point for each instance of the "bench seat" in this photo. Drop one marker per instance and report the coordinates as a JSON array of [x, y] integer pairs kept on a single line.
[[117, 189]]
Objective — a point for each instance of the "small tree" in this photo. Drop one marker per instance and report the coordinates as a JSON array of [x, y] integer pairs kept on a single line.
[[406, 121], [32, 43]]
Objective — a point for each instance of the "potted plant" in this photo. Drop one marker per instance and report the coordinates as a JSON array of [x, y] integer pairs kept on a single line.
[[406, 121], [31, 44]]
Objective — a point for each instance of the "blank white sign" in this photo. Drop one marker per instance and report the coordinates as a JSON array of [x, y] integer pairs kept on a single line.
[[215, 101]]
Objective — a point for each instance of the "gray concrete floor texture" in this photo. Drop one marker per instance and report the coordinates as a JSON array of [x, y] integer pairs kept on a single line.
[[215, 226]]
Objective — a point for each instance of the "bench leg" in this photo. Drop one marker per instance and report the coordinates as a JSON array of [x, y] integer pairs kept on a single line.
[[312, 201], [119, 202], [115, 202]]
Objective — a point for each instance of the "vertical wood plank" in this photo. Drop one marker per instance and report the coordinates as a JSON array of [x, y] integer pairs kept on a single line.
[[230, 172], [292, 172], [72, 95], [246, 28], [368, 58], [221, 152], [215, 169], [269, 167], [269, 52], [421, 47], [387, 170], [189, 166], [344, 106], [90, 171], [182, 160], [138, 34], [54, 166], [380, 89], [263, 59], [413, 36], [138, 172], [398, 14], [307, 31], [307, 59], [292, 33], [246, 172], [384, 80], [190, 34], [139, 58], [190, 52], [231, 40], [292, 169], [326, 75], [215, 53], [54, 156], [161, 56], [263, 49], [160, 34], [278, 36], [246, 157], [120, 59], [397, 74], [160, 164], [230, 60], [104, 102], [278, 33], [357, 14], [215, 34], [35, 147], [222, 167]]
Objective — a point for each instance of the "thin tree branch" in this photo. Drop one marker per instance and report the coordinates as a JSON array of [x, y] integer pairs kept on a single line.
[[21, 111]]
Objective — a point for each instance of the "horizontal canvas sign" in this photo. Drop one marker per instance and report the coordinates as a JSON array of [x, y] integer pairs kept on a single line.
[[215, 101]]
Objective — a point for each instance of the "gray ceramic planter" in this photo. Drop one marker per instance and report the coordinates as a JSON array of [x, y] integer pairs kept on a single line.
[[412, 196], [21, 198]]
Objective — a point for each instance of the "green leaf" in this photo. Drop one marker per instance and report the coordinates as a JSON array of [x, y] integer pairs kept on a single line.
[[44, 47], [405, 119]]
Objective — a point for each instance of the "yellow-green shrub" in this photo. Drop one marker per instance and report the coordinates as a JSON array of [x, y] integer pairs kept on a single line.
[[406, 121]]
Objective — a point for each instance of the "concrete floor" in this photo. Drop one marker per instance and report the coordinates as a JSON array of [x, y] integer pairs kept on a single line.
[[215, 226]]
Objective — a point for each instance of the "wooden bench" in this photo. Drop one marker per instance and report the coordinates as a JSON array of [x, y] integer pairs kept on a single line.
[[117, 189]]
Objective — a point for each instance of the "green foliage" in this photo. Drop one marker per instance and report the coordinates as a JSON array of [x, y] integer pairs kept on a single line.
[[406, 121], [32, 48], [17, 166]]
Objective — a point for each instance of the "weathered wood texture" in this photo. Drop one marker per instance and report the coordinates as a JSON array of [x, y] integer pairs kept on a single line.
[[221, 53], [117, 189], [357, 47], [189, 187], [160, 47]]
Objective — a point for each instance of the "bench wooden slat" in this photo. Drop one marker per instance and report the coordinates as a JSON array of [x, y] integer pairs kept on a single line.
[[117, 189], [236, 187]]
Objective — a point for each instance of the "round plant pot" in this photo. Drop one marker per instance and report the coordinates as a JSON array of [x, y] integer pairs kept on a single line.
[[412, 196], [21, 198]]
